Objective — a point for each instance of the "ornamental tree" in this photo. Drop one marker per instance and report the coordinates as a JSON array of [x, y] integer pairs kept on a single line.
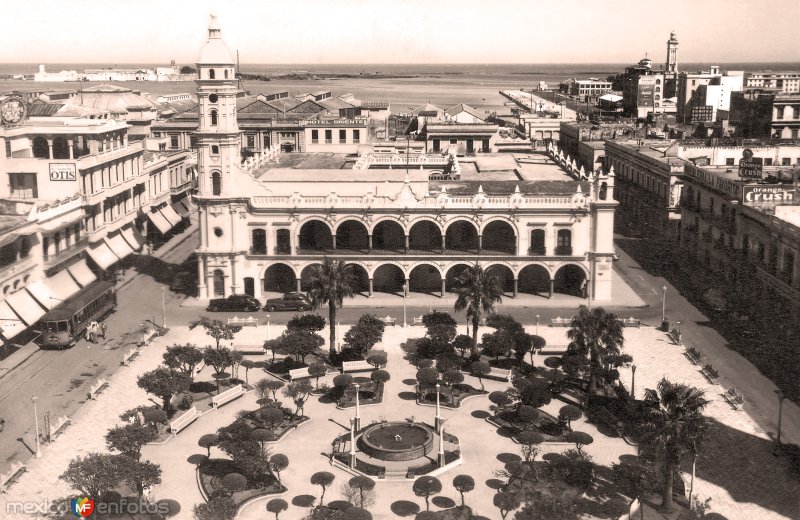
[[377, 358], [317, 370], [183, 358], [164, 383], [299, 392], [309, 322], [219, 330], [234, 482], [277, 506], [137, 474], [380, 376], [506, 502], [427, 486], [207, 441], [247, 364], [637, 479], [463, 484], [217, 508], [300, 343], [569, 413], [451, 378], [322, 479], [218, 357], [363, 485], [278, 463], [271, 416], [367, 331], [93, 475], [130, 438]]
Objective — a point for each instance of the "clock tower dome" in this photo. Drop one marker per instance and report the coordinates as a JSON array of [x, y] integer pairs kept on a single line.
[[218, 139]]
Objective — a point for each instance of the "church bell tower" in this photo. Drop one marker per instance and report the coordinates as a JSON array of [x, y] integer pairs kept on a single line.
[[672, 53], [218, 139]]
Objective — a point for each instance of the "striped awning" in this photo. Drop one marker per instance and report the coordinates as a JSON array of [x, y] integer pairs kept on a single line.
[[160, 222], [63, 286], [133, 237], [102, 255], [10, 324], [119, 246], [180, 209], [81, 272], [171, 215], [25, 306], [41, 290]]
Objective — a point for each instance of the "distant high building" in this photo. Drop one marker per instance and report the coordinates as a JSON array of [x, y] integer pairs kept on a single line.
[[651, 91], [672, 53], [703, 94], [784, 82]]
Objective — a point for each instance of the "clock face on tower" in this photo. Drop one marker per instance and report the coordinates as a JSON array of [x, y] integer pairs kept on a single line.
[[12, 110]]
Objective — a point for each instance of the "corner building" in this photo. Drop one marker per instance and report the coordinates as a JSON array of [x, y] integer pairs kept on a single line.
[[530, 222]]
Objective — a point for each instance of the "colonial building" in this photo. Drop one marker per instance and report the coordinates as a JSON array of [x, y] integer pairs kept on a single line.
[[263, 226], [783, 82]]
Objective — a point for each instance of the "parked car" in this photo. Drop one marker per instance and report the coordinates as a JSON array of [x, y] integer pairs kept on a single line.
[[288, 302], [234, 302]]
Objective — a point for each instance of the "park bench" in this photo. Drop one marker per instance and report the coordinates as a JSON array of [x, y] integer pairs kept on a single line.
[[388, 320], [630, 322], [417, 320], [96, 388], [356, 366], [10, 477], [693, 355], [298, 373], [243, 322], [560, 322], [227, 396], [128, 356], [499, 374], [734, 398], [58, 425], [184, 420], [711, 374], [675, 336]]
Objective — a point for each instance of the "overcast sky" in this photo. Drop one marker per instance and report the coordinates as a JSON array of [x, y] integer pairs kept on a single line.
[[401, 31]]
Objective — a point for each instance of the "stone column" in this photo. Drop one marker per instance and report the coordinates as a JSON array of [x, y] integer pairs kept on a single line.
[[406, 243], [516, 287], [406, 287], [333, 240], [50, 148], [369, 247], [299, 287], [201, 277], [551, 288], [480, 243], [70, 145], [444, 289], [370, 287], [234, 285]]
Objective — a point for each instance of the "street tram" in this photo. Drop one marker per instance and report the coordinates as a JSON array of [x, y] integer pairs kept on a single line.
[[64, 325]]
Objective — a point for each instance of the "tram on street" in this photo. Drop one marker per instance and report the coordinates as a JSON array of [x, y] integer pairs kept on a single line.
[[64, 325]]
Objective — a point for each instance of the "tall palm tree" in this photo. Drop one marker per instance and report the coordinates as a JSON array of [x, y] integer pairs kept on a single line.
[[675, 426], [597, 335], [477, 293], [331, 283]]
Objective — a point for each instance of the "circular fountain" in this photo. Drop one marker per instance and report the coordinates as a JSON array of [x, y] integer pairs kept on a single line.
[[396, 441]]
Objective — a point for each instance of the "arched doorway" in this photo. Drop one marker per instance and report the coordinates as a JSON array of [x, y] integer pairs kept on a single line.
[[315, 235], [361, 276], [388, 278], [534, 279], [352, 235], [504, 274], [461, 236], [219, 283], [425, 278], [425, 236], [306, 274], [451, 275], [499, 236], [279, 278], [388, 235], [570, 279]]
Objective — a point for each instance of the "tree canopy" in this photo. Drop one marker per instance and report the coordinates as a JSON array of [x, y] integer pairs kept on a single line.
[[330, 283]]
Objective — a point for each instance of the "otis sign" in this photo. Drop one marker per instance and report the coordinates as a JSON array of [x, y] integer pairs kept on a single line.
[[767, 194]]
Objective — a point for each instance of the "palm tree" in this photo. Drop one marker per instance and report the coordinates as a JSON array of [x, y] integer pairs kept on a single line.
[[331, 283], [675, 426], [477, 293], [597, 335]]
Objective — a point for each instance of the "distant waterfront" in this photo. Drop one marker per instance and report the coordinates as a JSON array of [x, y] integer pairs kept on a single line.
[[444, 84]]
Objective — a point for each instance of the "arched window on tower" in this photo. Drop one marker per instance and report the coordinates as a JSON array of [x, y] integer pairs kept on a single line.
[[41, 150], [211, 74], [213, 118], [214, 149], [216, 184]]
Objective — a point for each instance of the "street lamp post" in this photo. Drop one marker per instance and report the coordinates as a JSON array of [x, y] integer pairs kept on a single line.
[[633, 381], [537, 324], [442, 460], [405, 292], [352, 443], [268, 326], [164, 307], [663, 305], [438, 419], [36, 423], [358, 410]]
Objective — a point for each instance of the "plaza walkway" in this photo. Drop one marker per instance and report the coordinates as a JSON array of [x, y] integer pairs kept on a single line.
[[736, 467]]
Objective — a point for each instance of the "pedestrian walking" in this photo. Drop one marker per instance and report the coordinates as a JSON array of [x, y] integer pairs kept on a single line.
[[103, 329]]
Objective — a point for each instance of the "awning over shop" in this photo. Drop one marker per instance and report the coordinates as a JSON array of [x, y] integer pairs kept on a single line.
[[160, 222], [180, 209], [133, 237], [102, 255], [63, 286], [41, 290], [170, 214], [81, 272], [25, 306], [10, 324], [7, 238], [119, 246], [187, 203]]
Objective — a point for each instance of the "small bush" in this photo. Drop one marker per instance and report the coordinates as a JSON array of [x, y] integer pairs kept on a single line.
[[186, 402]]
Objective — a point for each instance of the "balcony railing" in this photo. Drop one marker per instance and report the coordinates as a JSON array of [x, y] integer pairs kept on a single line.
[[564, 250], [536, 251], [54, 258]]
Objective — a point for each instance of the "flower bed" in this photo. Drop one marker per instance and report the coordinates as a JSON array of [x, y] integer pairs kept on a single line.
[[461, 392], [545, 424], [212, 471], [253, 420], [369, 393]]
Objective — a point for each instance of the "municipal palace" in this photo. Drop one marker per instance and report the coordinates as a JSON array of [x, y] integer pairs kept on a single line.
[[408, 221]]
